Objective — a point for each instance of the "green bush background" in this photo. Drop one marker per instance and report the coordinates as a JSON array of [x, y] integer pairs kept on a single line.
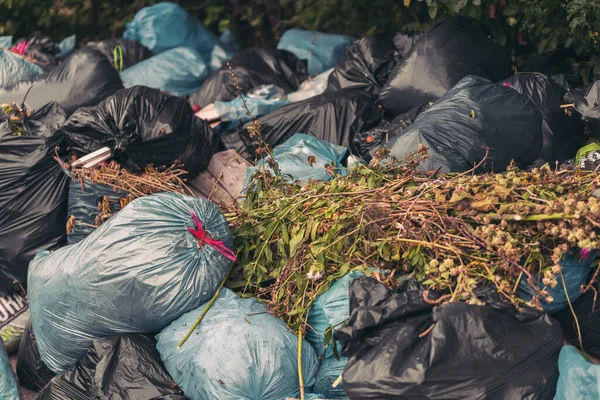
[[523, 27]]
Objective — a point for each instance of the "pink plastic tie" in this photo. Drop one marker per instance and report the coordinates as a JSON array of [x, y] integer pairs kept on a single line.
[[20, 48], [201, 235]]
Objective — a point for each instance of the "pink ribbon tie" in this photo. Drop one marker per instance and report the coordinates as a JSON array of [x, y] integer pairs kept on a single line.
[[201, 235]]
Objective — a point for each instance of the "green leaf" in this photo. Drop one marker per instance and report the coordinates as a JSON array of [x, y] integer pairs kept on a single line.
[[284, 233], [459, 5], [344, 268], [511, 10], [295, 241], [432, 8], [476, 2]]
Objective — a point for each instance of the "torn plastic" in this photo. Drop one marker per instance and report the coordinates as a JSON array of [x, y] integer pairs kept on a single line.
[[334, 117], [585, 100], [563, 135], [440, 58], [31, 370], [126, 366], [33, 194], [8, 384], [366, 65], [143, 126], [179, 71], [239, 351], [252, 68], [14, 316], [84, 79], [311, 87], [165, 26], [401, 346], [321, 50], [14, 68], [473, 116], [108, 283], [122, 53]]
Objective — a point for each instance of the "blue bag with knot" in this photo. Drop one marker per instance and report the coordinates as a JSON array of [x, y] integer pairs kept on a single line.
[[331, 309], [164, 26], [179, 71], [304, 157], [238, 351], [321, 50], [8, 384], [576, 273], [14, 68], [140, 270]]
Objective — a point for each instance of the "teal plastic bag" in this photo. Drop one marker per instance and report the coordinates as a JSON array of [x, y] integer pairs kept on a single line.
[[321, 50], [14, 68], [239, 351], [165, 26], [578, 379], [303, 157], [233, 112], [137, 272], [332, 308], [179, 71], [8, 384]]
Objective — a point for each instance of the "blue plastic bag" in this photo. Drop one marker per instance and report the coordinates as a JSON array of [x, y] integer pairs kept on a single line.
[[295, 159], [67, 47], [136, 273], [15, 68], [233, 112], [8, 384], [322, 50], [238, 351], [165, 26], [332, 308], [6, 42], [578, 379], [575, 272], [179, 71]]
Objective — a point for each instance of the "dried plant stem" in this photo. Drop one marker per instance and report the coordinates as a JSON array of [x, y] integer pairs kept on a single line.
[[300, 377]]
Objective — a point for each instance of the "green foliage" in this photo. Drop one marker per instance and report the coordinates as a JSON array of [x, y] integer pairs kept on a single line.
[[523, 27]]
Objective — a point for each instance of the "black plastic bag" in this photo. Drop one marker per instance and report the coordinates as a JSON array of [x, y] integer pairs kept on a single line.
[[332, 116], [368, 142], [563, 135], [252, 68], [33, 193], [126, 367], [586, 101], [127, 52], [587, 310], [474, 115], [365, 65], [84, 79], [31, 370], [143, 126], [472, 352], [440, 58], [83, 202], [41, 48]]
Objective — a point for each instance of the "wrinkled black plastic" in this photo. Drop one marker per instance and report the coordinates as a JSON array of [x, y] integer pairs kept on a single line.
[[131, 52], [440, 58], [365, 65], [83, 206], [144, 126], [42, 48], [472, 352], [332, 116], [252, 68], [84, 79], [474, 115], [555, 62], [368, 142], [33, 193], [586, 101], [126, 367], [563, 135], [404, 41], [587, 310], [31, 370]]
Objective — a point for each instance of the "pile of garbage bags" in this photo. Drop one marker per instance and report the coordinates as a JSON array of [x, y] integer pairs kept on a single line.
[[99, 310]]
